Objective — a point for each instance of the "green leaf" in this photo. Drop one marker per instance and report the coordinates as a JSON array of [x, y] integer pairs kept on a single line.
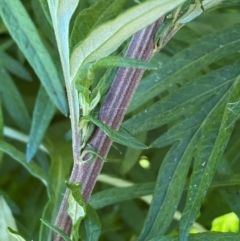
[[132, 156], [13, 66], [215, 134], [1, 128], [190, 124], [59, 171], [43, 113], [231, 197], [109, 36], [61, 13], [123, 138], [85, 77], [32, 167], [207, 236], [91, 17], [187, 62], [92, 225], [76, 208], [169, 187], [184, 100], [114, 195], [45, 9], [26, 36], [57, 230], [6, 220], [13, 101]]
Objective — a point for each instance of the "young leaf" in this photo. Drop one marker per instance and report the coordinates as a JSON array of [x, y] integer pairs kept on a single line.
[[91, 17], [42, 115], [57, 230], [123, 138], [76, 208], [26, 36], [85, 77], [109, 36]]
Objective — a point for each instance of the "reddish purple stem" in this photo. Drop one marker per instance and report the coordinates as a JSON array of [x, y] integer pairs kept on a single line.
[[112, 113]]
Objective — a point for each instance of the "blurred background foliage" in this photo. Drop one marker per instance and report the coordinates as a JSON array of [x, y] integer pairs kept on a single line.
[[19, 86]]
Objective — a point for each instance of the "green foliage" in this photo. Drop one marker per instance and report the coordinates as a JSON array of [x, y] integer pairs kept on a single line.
[[186, 112]]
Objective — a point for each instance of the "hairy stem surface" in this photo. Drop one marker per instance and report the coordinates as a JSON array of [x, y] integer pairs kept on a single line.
[[112, 113]]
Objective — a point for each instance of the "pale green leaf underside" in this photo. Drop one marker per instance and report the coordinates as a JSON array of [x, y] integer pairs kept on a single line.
[[26, 36], [109, 36], [92, 17]]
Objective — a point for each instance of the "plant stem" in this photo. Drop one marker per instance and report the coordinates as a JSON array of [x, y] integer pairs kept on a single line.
[[112, 113]]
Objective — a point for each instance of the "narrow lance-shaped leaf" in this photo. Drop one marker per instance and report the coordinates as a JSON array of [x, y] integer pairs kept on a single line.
[[215, 135], [76, 208], [13, 101], [114, 195], [206, 236], [32, 167], [187, 62], [123, 138], [61, 13], [13, 66], [26, 36], [86, 73], [58, 172], [184, 100], [57, 230], [109, 36], [190, 124], [169, 187], [43, 113]]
